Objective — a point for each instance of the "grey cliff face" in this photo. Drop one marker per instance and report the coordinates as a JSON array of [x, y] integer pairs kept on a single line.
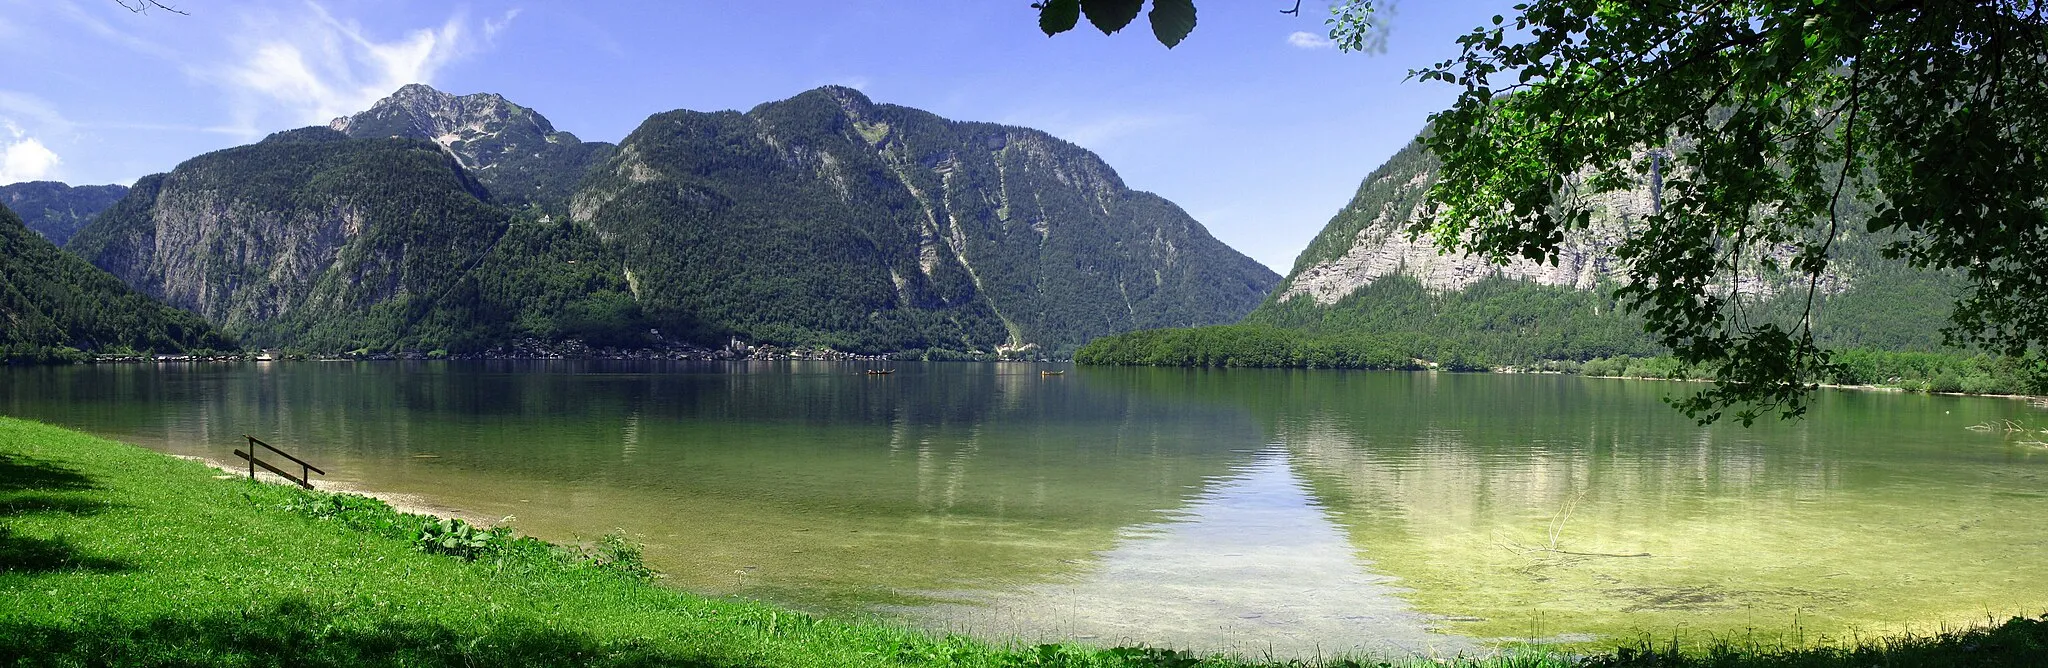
[[1375, 243]]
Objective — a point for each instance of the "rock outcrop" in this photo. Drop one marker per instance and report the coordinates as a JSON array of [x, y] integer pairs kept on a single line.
[[514, 151]]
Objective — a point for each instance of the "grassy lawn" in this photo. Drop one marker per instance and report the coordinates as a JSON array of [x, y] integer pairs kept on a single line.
[[114, 555]]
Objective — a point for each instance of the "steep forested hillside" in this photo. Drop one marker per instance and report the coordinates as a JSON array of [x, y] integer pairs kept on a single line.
[[56, 210], [54, 305], [307, 239], [829, 218]]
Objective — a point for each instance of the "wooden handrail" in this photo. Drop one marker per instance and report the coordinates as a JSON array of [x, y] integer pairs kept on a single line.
[[257, 441], [303, 479]]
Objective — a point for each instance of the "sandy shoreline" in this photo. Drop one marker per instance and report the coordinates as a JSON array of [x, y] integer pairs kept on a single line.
[[404, 503]]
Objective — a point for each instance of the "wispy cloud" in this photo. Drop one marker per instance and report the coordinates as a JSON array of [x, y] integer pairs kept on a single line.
[[312, 67], [494, 26], [92, 23], [1098, 131], [1309, 40], [24, 158], [37, 112]]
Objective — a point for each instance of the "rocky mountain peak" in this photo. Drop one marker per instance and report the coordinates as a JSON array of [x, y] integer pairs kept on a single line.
[[420, 111], [511, 149]]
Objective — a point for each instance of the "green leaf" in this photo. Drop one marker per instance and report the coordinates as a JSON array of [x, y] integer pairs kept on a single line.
[[1110, 16], [1058, 16], [1172, 20]]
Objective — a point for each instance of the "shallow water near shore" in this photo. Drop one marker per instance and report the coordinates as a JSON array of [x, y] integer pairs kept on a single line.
[[1292, 513]]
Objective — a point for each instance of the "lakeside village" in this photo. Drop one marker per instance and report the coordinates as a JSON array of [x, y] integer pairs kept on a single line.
[[734, 350]]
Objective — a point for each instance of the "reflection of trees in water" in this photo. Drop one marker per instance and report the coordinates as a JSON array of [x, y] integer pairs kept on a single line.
[[936, 477], [1521, 498]]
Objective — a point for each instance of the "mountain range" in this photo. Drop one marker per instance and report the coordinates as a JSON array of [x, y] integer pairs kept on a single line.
[[436, 221], [56, 210]]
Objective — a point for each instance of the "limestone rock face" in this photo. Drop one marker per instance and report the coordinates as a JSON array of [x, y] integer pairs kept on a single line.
[[1369, 240], [308, 230]]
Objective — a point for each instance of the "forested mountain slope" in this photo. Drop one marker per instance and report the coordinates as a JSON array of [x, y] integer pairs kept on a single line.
[[306, 239], [56, 210], [435, 221], [53, 304], [828, 217]]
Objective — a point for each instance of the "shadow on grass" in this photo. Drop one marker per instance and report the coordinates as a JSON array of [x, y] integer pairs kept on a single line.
[[30, 487], [19, 474], [25, 554], [2019, 641], [297, 633], [31, 503]]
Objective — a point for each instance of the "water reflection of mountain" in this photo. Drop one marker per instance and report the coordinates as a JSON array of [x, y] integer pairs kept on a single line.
[[1520, 504], [811, 483], [1252, 566]]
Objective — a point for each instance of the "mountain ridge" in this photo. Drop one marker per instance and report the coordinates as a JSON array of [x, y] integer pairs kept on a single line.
[[54, 305], [57, 210], [821, 219], [513, 150]]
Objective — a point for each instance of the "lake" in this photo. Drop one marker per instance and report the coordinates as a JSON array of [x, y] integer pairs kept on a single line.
[[1258, 511]]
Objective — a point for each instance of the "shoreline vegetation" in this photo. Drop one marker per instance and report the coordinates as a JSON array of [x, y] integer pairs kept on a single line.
[[111, 554], [1261, 346], [528, 349]]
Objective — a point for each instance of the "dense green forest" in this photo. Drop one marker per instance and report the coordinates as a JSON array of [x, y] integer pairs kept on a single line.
[[56, 210], [54, 306]]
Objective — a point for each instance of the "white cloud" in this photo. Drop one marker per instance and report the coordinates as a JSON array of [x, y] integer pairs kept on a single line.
[[493, 27], [1309, 40], [1098, 131], [313, 67], [24, 158]]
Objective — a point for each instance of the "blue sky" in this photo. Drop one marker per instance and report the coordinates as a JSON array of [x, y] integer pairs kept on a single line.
[[1254, 125]]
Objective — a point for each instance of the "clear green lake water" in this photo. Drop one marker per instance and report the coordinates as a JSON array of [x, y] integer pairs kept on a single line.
[[1291, 512]]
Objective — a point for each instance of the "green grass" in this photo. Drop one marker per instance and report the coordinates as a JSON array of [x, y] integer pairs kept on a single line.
[[114, 555]]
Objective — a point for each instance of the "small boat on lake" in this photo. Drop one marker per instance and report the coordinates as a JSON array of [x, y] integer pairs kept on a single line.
[[880, 372], [1052, 373]]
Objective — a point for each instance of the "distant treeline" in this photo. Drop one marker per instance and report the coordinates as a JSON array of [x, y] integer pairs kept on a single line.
[[1262, 346], [1276, 347], [1914, 371]]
